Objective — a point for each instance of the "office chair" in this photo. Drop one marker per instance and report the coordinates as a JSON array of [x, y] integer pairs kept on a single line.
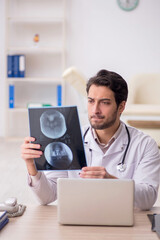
[[143, 105]]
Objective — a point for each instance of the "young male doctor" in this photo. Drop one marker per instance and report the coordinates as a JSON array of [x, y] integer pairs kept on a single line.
[[113, 150]]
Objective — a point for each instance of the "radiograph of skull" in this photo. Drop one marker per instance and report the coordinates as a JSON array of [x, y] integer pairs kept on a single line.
[[53, 124], [58, 155]]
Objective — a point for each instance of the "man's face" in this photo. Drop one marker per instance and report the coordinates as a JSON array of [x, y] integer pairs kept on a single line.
[[102, 108]]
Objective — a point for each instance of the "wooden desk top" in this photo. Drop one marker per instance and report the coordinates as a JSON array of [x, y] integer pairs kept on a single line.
[[40, 222]]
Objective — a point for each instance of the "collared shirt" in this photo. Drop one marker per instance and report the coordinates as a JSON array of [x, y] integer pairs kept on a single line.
[[104, 147]]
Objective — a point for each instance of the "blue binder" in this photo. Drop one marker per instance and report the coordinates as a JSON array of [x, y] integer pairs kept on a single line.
[[10, 66], [11, 96], [59, 95], [16, 65]]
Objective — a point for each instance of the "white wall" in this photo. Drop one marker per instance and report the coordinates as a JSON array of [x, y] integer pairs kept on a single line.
[[101, 35]]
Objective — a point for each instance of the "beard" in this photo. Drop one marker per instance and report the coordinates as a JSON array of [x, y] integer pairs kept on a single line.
[[105, 124]]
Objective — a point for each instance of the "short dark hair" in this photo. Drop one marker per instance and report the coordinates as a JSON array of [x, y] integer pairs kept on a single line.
[[112, 81]]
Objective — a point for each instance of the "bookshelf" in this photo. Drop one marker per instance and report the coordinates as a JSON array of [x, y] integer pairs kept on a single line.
[[44, 60]]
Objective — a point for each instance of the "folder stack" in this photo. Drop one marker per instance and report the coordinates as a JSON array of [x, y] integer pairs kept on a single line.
[[3, 219]]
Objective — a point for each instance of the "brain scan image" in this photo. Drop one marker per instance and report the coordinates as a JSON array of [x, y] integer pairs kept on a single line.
[[52, 124], [58, 155]]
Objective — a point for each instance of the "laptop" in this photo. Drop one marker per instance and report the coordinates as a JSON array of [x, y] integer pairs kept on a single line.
[[95, 201]]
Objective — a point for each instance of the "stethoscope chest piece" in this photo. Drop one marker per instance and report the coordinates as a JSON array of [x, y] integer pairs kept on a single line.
[[121, 167]]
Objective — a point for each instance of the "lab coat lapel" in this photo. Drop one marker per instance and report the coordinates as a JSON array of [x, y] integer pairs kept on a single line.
[[91, 143], [120, 143]]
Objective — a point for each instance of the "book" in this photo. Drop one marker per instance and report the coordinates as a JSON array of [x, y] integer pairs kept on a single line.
[[11, 96], [3, 216], [2, 224], [57, 130], [3, 219]]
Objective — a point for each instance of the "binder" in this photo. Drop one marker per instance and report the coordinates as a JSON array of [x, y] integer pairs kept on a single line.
[[10, 66], [59, 95], [21, 66], [11, 96], [16, 65]]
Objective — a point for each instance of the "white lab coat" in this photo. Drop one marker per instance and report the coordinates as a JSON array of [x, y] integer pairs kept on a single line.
[[142, 165]]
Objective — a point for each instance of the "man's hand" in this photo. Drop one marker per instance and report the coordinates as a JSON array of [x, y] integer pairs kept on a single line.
[[95, 172], [29, 151]]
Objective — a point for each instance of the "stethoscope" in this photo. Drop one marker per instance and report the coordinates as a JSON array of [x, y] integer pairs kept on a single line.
[[121, 167]]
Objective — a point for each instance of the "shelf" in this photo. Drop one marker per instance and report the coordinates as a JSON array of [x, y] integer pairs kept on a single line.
[[35, 8], [35, 20], [17, 110], [35, 49], [34, 80]]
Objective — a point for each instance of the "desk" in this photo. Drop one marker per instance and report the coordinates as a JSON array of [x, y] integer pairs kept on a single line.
[[40, 223]]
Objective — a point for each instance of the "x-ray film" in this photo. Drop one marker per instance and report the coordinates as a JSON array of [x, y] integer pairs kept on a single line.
[[57, 130]]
